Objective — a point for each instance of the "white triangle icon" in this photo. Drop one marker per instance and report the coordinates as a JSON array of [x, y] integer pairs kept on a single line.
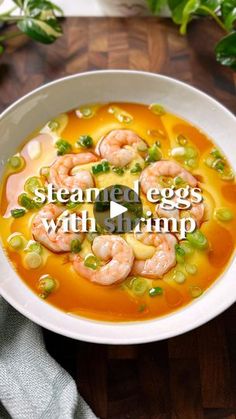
[[116, 209]]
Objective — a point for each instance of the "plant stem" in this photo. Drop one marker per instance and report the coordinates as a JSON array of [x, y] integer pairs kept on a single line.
[[10, 36], [8, 13], [214, 16]]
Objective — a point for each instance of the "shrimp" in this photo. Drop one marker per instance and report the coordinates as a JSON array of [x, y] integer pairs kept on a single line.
[[59, 172], [117, 255], [162, 260], [119, 146], [149, 176], [57, 241], [197, 212]]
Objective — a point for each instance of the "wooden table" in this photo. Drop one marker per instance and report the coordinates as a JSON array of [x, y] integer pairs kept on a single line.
[[188, 377]]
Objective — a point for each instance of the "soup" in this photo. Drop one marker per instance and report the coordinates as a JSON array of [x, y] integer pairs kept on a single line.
[[118, 277]]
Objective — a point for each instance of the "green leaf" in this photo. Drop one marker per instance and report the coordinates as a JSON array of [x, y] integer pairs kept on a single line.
[[156, 5], [226, 50], [189, 9], [177, 7], [19, 3], [40, 30], [228, 11]]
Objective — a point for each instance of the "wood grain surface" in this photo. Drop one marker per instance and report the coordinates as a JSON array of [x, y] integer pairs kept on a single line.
[[192, 376]]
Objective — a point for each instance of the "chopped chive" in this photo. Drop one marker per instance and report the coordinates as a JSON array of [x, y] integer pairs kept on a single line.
[[16, 241], [91, 262], [32, 183], [216, 154], [16, 162], [18, 212], [25, 201], [102, 167], [191, 268], [63, 147], [139, 286], [197, 239], [136, 169], [195, 291], [155, 291], [154, 154], [34, 247], [47, 284], [85, 141], [180, 253], [75, 246], [118, 170], [224, 214], [33, 260], [157, 109], [179, 277]]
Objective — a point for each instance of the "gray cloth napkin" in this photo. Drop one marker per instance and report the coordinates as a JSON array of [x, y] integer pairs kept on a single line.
[[32, 384]]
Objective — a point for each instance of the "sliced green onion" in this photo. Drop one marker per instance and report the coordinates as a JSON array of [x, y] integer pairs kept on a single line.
[[91, 262], [216, 154], [75, 246], [155, 291], [53, 125], [16, 162], [63, 147], [180, 253], [219, 165], [47, 284], [120, 114], [33, 260], [154, 154], [91, 236], [210, 161], [85, 141], [139, 286], [136, 169], [188, 249], [192, 163], [102, 167], [73, 205], [179, 277], [157, 109], [16, 241], [191, 268], [25, 201], [118, 170], [181, 139], [190, 153], [18, 212], [227, 175], [197, 239], [33, 183], [179, 182], [34, 247], [195, 291], [224, 214]]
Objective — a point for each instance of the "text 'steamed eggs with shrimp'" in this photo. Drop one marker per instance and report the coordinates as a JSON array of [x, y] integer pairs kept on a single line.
[[128, 275]]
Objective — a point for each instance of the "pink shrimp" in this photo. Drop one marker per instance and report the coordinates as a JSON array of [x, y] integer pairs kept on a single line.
[[149, 176], [58, 241], [162, 260], [60, 176], [117, 255], [119, 146]]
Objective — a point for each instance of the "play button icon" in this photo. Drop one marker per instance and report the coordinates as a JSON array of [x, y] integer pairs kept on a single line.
[[117, 209]]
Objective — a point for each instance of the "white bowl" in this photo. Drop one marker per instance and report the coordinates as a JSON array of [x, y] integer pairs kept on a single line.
[[33, 110]]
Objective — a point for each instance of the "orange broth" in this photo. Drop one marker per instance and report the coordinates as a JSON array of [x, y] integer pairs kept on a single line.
[[116, 303]]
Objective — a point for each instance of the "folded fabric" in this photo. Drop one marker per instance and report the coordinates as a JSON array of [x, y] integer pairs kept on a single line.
[[32, 384]]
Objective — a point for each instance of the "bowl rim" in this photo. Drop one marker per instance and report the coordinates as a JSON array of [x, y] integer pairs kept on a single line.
[[117, 338]]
